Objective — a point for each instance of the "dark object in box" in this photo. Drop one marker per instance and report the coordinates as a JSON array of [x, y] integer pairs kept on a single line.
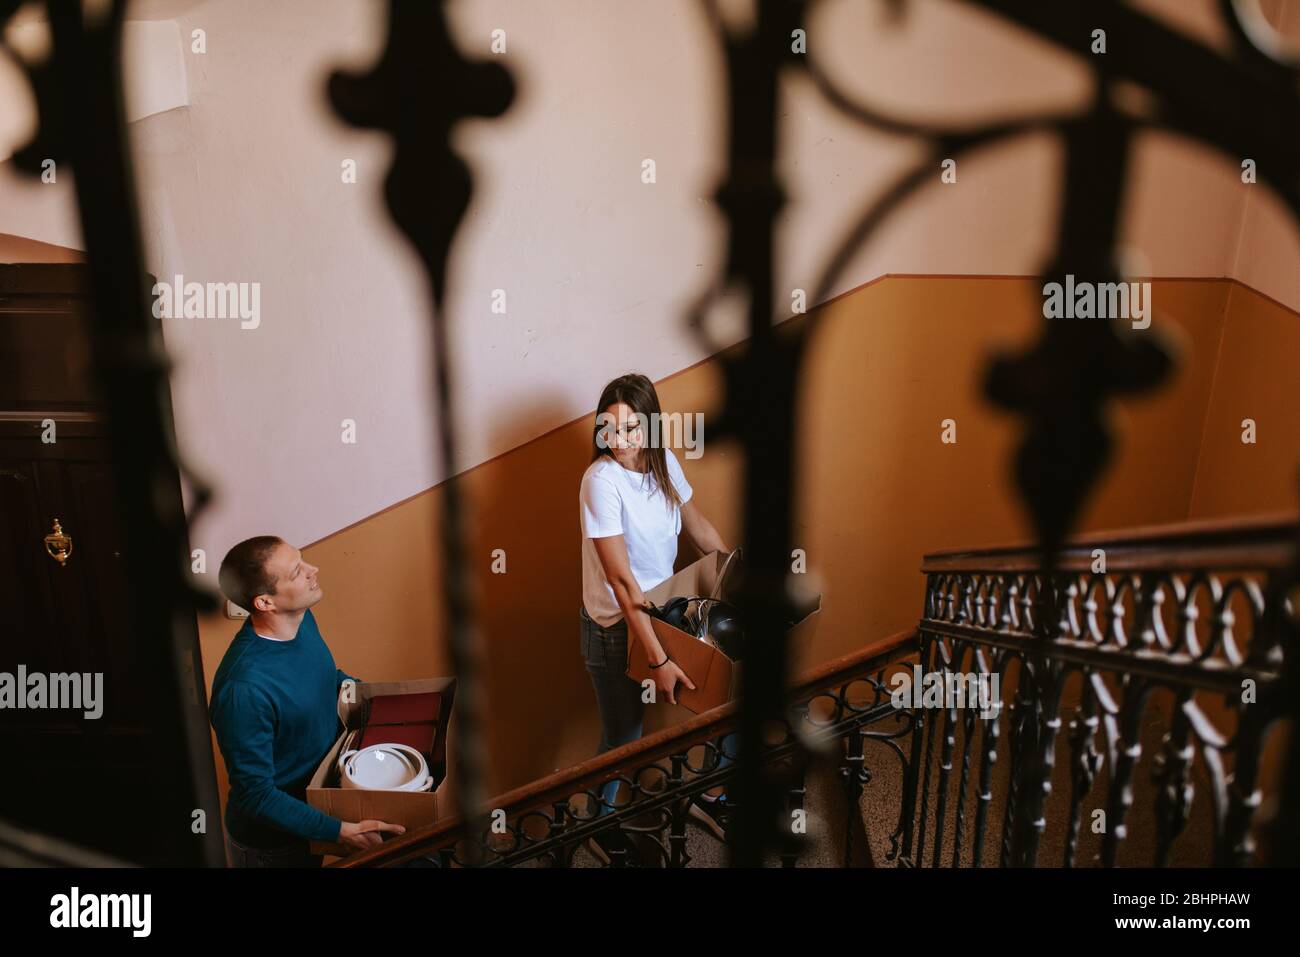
[[411, 719], [715, 675], [708, 619]]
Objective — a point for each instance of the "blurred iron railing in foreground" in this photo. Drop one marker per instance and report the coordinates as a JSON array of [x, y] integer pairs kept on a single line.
[[427, 191], [82, 124], [1242, 103], [1179, 611], [23, 848]]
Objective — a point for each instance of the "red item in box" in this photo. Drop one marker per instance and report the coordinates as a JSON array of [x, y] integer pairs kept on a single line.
[[410, 719]]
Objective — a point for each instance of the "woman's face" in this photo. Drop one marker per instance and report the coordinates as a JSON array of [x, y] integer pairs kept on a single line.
[[624, 435]]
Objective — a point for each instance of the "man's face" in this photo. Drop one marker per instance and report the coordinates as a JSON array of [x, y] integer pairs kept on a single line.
[[296, 588]]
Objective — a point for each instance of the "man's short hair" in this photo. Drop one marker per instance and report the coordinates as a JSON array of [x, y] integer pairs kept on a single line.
[[243, 574]]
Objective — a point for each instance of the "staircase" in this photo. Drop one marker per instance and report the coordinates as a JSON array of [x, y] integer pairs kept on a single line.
[[1139, 683]]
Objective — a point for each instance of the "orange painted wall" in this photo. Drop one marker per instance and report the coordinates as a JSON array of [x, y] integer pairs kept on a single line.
[[19, 249], [1256, 379], [877, 490]]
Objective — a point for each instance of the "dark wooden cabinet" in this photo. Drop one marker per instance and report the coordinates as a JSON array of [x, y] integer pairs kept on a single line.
[[109, 784]]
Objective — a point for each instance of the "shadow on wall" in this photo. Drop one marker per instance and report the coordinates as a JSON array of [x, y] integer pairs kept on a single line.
[[527, 558]]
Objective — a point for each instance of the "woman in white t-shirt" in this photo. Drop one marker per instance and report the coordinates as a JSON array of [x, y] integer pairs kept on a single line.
[[634, 502]]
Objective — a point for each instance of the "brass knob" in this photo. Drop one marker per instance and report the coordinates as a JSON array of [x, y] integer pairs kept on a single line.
[[58, 545]]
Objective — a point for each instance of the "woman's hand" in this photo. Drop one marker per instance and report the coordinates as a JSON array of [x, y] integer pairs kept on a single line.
[[666, 678]]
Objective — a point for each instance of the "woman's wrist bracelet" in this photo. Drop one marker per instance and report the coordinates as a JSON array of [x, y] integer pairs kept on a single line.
[[662, 663]]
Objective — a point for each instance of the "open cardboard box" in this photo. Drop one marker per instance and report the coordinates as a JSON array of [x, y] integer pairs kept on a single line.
[[716, 676], [410, 809]]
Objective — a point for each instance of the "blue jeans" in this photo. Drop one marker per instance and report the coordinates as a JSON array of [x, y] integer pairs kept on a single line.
[[618, 697]]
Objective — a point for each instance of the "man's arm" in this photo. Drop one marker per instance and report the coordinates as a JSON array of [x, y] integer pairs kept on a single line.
[[242, 718]]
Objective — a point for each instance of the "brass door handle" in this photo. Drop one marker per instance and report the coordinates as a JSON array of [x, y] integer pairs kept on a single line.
[[58, 545]]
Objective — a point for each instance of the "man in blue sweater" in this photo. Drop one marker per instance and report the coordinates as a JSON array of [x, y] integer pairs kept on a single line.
[[274, 708]]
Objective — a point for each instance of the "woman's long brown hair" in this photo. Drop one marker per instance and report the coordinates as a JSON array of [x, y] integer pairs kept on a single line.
[[638, 393]]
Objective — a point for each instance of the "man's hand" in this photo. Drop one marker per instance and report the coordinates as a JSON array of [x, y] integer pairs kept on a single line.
[[666, 678], [366, 834]]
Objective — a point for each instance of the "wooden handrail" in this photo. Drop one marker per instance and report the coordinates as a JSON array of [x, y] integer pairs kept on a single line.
[[1266, 541], [1263, 542], [714, 723]]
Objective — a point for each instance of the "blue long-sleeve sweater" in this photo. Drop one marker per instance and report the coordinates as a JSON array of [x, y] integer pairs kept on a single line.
[[274, 710]]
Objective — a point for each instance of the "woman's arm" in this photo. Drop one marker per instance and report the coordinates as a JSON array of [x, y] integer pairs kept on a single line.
[[612, 552], [700, 531]]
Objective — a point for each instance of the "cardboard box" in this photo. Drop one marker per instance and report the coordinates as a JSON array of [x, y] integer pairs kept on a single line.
[[716, 676], [410, 809]]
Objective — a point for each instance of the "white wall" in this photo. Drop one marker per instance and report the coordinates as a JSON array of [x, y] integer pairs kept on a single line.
[[244, 185]]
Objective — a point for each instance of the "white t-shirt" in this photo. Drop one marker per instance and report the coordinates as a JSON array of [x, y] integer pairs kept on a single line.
[[615, 501]]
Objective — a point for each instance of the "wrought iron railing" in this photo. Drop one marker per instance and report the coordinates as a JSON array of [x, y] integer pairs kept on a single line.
[[1180, 611], [834, 712], [1084, 656]]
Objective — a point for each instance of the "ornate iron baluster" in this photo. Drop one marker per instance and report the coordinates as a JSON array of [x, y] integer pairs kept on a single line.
[[913, 800], [968, 733], [1280, 631], [853, 776], [1171, 774], [930, 658], [1019, 717], [1085, 762], [678, 856], [1123, 762], [408, 94], [760, 403], [988, 756], [948, 736]]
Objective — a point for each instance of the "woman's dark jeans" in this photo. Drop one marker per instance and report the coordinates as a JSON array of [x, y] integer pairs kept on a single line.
[[619, 697]]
